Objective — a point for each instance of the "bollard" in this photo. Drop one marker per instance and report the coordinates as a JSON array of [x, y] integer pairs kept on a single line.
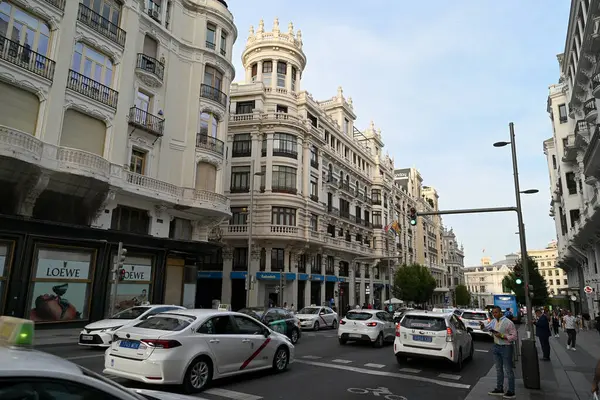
[[530, 364]]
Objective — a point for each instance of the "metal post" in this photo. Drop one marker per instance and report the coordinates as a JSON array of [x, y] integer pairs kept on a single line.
[[250, 225], [113, 295], [281, 278]]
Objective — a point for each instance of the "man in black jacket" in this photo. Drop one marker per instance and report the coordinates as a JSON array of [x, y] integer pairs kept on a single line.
[[542, 331]]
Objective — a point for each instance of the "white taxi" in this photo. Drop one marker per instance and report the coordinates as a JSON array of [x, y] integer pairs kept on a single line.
[[29, 374], [374, 326], [193, 347], [426, 334], [315, 317], [472, 318], [99, 333]]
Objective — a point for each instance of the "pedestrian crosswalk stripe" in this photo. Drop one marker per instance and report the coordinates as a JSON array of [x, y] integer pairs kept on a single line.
[[374, 365], [311, 357], [410, 370], [230, 394], [337, 360], [482, 351], [449, 376]]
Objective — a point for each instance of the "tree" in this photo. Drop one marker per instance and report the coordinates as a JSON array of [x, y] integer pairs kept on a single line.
[[540, 290], [413, 283], [462, 295]]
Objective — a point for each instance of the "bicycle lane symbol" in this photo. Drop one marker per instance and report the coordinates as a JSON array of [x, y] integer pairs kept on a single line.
[[377, 392]]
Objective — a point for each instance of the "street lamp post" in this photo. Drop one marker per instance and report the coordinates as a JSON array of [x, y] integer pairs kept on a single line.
[[530, 363], [250, 215]]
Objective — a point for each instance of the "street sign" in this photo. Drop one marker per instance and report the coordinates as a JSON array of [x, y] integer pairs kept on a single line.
[[588, 289]]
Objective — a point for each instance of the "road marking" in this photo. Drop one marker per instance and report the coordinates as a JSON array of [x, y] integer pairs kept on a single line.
[[482, 351], [388, 374], [311, 334], [410, 370], [230, 394], [337, 360], [311, 357], [84, 357], [374, 365], [450, 376], [330, 336]]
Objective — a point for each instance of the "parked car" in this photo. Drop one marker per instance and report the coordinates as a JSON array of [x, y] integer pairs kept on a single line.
[[278, 319], [315, 317]]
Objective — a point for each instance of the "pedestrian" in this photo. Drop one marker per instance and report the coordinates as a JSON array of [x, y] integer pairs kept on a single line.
[[556, 325], [598, 323], [571, 328], [542, 331], [505, 334]]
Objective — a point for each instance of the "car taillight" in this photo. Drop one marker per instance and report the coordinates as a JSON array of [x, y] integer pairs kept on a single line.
[[342, 322], [449, 337], [371, 324], [161, 344], [397, 330]]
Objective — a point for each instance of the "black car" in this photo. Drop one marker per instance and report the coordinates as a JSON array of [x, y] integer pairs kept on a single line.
[[278, 319]]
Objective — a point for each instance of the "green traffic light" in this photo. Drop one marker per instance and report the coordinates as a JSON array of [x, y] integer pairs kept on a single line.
[[518, 281], [413, 222]]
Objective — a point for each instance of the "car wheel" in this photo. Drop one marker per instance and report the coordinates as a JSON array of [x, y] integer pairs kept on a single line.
[[472, 352], [294, 336], [316, 326], [198, 375], [459, 364], [379, 341], [281, 359], [334, 324], [343, 341]]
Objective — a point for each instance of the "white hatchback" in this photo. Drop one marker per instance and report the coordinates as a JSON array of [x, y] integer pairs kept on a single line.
[[193, 347], [472, 319], [424, 334], [374, 326]]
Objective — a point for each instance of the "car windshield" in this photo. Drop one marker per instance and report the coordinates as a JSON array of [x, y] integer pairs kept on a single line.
[[167, 322], [309, 310], [423, 322], [130, 313], [475, 316], [110, 382], [358, 316], [254, 312]]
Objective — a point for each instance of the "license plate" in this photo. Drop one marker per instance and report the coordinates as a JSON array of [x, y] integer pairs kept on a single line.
[[356, 335], [87, 337], [420, 338], [128, 344], [473, 324]]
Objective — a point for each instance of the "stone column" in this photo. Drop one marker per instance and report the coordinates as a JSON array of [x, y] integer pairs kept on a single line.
[[269, 166], [363, 299], [323, 285], [307, 288], [248, 78], [259, 72], [304, 181], [268, 259], [288, 77], [274, 74], [158, 227], [293, 297], [298, 81], [227, 253], [253, 268], [352, 286], [371, 286], [336, 272]]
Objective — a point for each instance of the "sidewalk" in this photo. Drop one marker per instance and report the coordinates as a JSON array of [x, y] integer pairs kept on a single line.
[[568, 376], [53, 337]]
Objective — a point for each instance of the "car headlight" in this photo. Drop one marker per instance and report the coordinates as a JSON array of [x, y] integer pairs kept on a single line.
[[111, 329]]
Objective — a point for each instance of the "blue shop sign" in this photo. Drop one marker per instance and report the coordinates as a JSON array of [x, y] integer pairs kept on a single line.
[[238, 275], [210, 275], [275, 276], [317, 278], [303, 277], [331, 278], [378, 285], [290, 276], [340, 279]]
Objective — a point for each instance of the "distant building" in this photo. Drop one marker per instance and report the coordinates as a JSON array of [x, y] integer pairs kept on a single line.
[[485, 280]]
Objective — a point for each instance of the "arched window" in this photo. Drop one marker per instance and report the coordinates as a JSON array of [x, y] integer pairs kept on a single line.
[[92, 64], [208, 124], [23, 28], [330, 173], [213, 77]]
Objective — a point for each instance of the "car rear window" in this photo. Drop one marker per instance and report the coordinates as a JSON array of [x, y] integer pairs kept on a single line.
[[358, 316], [423, 322], [475, 316], [165, 322]]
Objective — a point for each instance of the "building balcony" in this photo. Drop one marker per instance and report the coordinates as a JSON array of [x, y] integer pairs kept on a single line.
[[214, 145], [146, 121], [26, 59], [101, 25], [590, 111], [60, 4], [582, 133], [591, 158], [92, 89], [213, 94], [570, 149], [149, 70]]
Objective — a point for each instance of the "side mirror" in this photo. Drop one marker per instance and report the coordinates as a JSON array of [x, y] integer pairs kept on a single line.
[[267, 333], [322, 313]]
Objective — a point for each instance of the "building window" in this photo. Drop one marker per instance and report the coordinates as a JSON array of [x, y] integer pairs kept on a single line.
[[377, 221], [281, 72], [242, 145], [314, 157], [294, 72], [92, 64], [61, 284], [562, 113], [376, 197], [254, 72], [130, 219], [109, 9], [571, 183], [314, 222], [143, 102], [239, 216], [240, 180], [208, 125], [240, 259], [137, 164], [277, 259], [136, 287], [223, 43], [245, 107], [283, 216], [285, 145], [211, 36], [153, 9], [314, 188], [346, 126], [284, 179], [5, 257], [553, 161], [267, 72], [25, 29], [281, 109], [213, 77]]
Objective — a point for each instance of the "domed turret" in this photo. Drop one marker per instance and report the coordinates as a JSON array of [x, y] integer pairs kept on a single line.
[[274, 58]]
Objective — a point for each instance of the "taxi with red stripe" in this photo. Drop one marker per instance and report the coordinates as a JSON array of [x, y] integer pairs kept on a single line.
[[192, 348], [316, 317]]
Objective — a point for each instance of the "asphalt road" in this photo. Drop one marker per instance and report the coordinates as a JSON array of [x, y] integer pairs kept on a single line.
[[325, 369]]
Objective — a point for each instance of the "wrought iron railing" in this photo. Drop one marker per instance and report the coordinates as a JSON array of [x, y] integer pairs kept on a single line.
[[92, 89], [204, 141], [151, 65], [146, 121], [214, 94], [25, 58], [60, 4], [97, 22]]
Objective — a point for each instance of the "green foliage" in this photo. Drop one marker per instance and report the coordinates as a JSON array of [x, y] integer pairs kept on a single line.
[[462, 296], [413, 283], [540, 290]]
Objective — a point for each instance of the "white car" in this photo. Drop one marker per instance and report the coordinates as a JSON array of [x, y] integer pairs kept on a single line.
[[425, 334], [472, 318], [193, 347], [374, 326], [99, 333], [316, 317]]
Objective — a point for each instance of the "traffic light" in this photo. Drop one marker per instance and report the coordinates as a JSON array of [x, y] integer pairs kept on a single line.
[[413, 216], [121, 255], [122, 273], [518, 271]]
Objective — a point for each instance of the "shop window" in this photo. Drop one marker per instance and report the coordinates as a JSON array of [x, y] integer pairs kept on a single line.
[[5, 257], [61, 284], [136, 287]]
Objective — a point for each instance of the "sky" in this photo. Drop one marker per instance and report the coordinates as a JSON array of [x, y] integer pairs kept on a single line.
[[442, 79]]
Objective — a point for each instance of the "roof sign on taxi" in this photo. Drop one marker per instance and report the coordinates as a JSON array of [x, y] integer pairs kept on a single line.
[[16, 331]]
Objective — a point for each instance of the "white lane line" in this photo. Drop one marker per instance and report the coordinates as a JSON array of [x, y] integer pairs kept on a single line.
[[374, 365], [482, 351], [450, 376], [230, 394], [84, 357], [337, 360], [311, 334], [311, 357], [410, 370], [389, 374], [330, 336]]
